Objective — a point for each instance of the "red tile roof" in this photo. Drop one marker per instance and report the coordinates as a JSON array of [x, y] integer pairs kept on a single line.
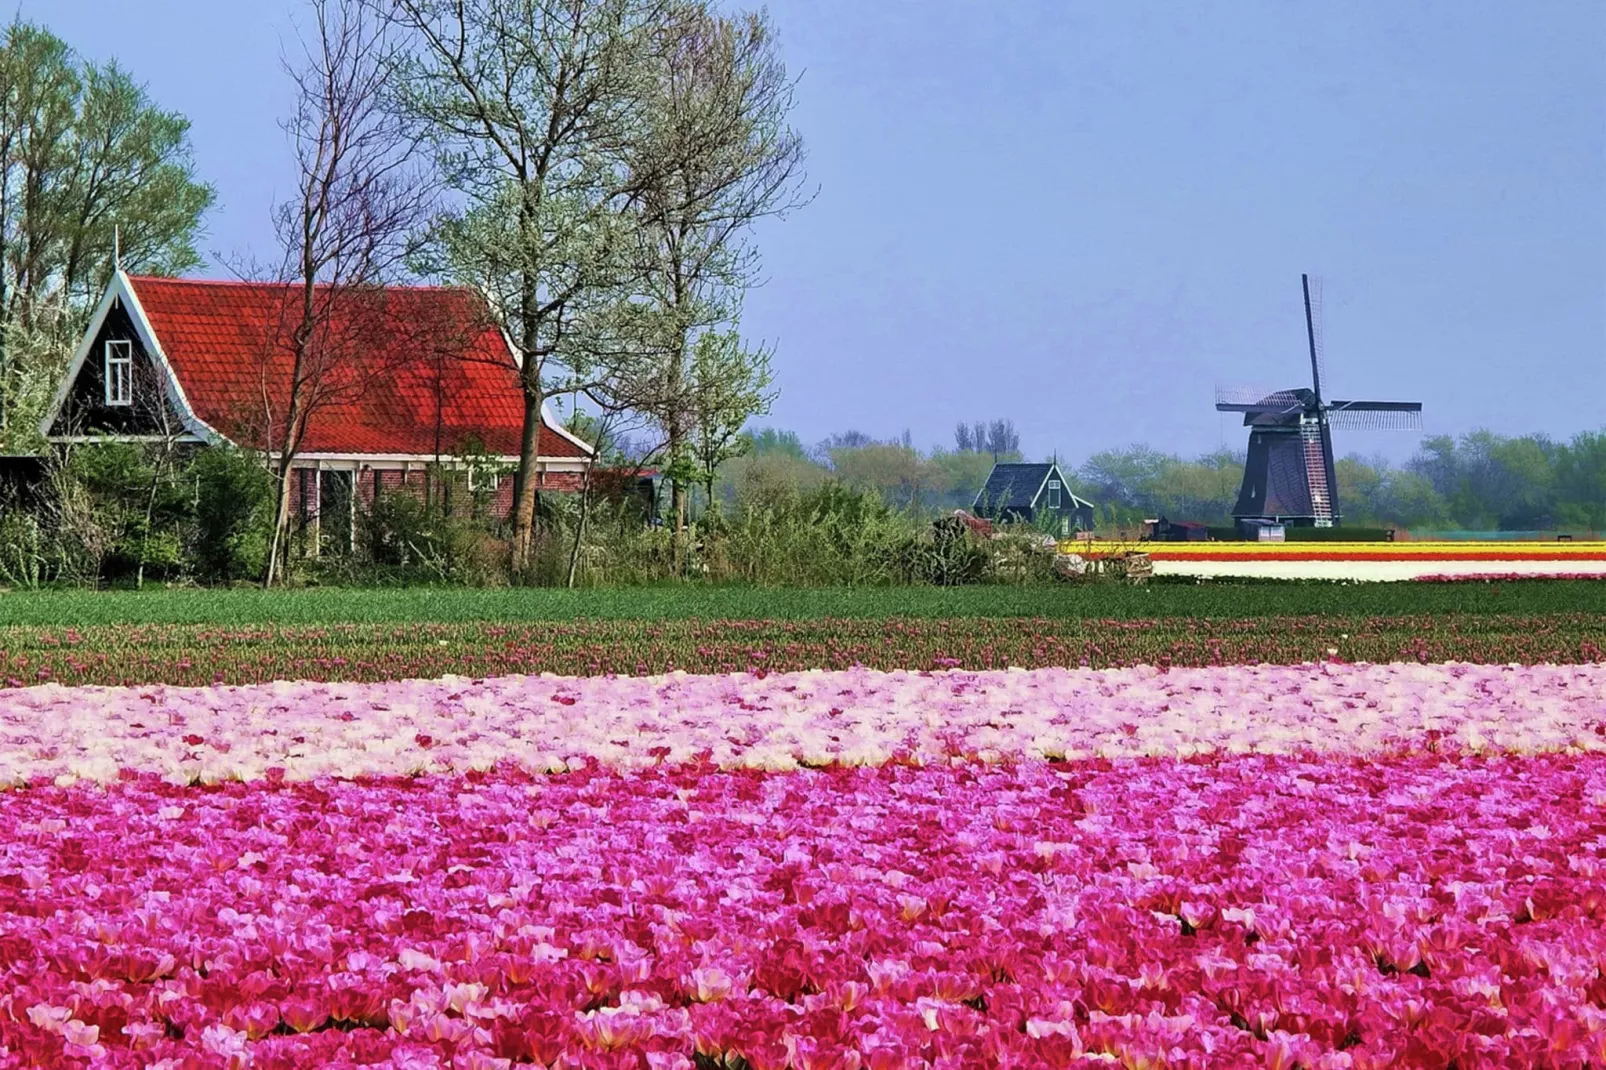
[[413, 389]]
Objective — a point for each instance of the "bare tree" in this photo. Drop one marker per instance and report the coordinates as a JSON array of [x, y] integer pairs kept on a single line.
[[529, 105], [716, 155], [997, 437], [344, 234], [1002, 438]]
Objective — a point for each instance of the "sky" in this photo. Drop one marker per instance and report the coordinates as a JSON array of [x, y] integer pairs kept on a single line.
[[1084, 216]]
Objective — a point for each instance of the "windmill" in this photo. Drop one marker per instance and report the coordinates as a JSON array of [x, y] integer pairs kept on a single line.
[[1289, 477]]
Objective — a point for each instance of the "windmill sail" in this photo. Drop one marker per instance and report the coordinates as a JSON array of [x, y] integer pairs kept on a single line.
[[1313, 331], [1376, 415]]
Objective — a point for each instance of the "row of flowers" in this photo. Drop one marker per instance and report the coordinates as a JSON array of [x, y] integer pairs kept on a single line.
[[1415, 910], [1366, 568], [1501, 628], [780, 721]]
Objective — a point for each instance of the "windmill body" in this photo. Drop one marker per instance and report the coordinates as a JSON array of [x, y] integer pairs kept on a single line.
[[1289, 476]]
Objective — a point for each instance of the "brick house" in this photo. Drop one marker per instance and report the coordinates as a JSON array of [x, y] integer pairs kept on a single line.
[[202, 362]]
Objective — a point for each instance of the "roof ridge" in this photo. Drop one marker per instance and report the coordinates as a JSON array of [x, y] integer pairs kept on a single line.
[[264, 283]]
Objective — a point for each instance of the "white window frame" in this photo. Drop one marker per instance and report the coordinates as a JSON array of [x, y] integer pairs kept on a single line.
[[1053, 494], [494, 476], [123, 363]]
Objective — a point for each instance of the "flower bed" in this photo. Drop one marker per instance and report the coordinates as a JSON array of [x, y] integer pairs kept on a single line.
[[1264, 910], [1325, 865], [781, 721]]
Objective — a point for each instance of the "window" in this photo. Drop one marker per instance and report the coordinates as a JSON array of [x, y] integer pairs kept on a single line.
[[479, 479], [1053, 494], [119, 373]]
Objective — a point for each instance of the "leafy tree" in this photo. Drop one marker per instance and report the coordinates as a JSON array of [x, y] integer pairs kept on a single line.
[[1409, 500], [713, 155], [530, 107], [85, 157], [729, 385], [233, 514], [1124, 477], [963, 473], [768, 441], [1490, 481], [1581, 482]]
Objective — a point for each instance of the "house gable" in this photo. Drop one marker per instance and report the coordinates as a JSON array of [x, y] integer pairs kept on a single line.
[[154, 406], [88, 410]]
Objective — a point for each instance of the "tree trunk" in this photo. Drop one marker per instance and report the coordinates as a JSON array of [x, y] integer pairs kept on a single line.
[[580, 528], [677, 552], [145, 535], [277, 548], [675, 436], [525, 494]]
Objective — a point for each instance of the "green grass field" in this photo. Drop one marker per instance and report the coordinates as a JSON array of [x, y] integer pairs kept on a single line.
[[81, 608]]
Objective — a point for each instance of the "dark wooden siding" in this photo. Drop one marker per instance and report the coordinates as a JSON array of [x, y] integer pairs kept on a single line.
[[85, 412], [1068, 515]]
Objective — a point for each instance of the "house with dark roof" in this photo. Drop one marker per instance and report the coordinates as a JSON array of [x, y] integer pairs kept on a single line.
[[196, 362], [1034, 494]]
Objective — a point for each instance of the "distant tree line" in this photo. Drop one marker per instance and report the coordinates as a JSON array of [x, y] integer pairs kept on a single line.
[[1481, 481]]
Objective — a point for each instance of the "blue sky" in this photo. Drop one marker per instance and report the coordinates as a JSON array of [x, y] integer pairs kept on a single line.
[[1085, 215]]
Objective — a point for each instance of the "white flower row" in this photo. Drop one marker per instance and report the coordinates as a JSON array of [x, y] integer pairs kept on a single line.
[[1393, 570], [857, 716]]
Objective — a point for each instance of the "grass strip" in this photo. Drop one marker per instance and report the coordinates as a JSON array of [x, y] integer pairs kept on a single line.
[[190, 654], [1212, 599]]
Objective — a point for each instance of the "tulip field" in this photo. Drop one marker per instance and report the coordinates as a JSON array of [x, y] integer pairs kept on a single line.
[[1360, 839]]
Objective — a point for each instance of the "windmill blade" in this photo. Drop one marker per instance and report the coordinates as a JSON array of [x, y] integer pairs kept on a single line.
[[1312, 286], [1236, 398], [1376, 406], [1376, 415], [1259, 410]]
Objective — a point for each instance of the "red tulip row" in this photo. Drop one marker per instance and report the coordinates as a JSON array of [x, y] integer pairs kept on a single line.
[[1423, 910]]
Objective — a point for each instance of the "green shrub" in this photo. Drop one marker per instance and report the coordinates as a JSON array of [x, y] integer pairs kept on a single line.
[[402, 540], [233, 515], [122, 508], [23, 553]]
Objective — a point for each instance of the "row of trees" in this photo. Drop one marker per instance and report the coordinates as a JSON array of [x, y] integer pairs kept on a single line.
[[1481, 481]]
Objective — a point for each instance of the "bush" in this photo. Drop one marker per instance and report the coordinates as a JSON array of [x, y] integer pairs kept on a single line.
[[121, 508], [950, 557], [23, 553], [233, 515], [401, 539]]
